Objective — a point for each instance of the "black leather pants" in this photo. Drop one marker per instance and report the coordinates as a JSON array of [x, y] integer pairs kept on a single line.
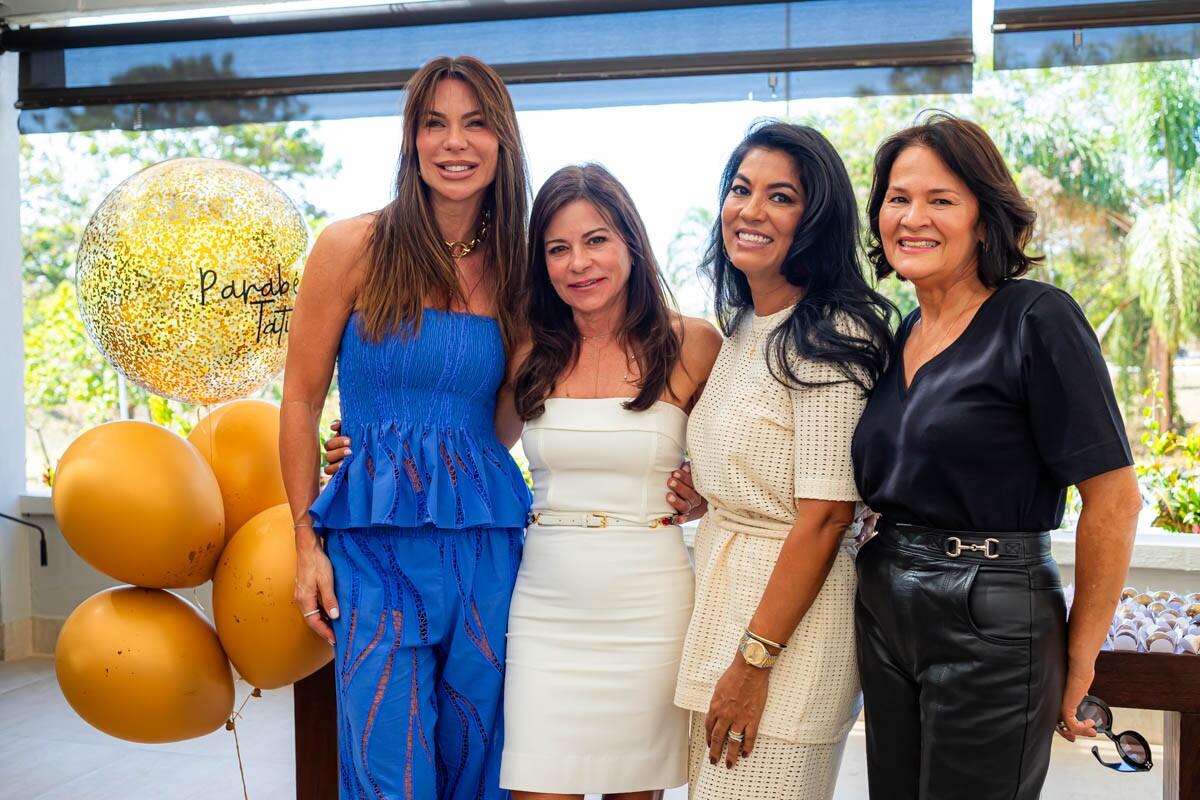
[[963, 662]]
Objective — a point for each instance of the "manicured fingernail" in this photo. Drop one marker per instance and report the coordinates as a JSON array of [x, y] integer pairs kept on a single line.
[[333, 613], [346, 454], [687, 467], [672, 484], [671, 498], [712, 761], [676, 474]]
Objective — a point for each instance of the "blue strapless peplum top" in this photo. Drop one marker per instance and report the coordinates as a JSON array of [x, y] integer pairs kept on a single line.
[[419, 411]]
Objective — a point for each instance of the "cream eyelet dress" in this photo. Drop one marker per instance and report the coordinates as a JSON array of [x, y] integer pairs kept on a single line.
[[598, 614], [756, 446]]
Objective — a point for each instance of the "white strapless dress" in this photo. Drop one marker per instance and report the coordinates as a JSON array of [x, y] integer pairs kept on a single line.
[[599, 614]]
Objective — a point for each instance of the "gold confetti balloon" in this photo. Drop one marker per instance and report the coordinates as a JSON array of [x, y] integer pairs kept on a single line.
[[187, 275]]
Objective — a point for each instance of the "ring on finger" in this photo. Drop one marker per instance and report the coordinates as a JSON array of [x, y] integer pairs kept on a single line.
[[1061, 726], [736, 736], [311, 613]]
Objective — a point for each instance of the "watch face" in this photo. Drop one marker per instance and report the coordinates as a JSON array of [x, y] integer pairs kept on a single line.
[[754, 652]]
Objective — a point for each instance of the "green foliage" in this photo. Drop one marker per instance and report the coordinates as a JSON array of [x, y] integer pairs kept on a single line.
[[62, 367], [1170, 477], [1164, 265], [1128, 347]]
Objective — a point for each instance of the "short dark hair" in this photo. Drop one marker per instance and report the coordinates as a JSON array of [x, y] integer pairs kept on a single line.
[[647, 329], [840, 320], [966, 149]]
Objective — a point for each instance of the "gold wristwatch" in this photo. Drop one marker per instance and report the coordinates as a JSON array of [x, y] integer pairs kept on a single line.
[[755, 653]]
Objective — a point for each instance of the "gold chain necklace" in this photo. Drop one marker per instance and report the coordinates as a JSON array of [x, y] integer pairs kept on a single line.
[[461, 249], [599, 352]]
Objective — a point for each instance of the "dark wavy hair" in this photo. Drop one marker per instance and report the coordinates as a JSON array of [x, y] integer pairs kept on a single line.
[[840, 319], [647, 332], [968, 152]]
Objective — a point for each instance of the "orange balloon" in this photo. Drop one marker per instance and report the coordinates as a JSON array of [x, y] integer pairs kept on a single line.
[[141, 505], [240, 441], [144, 665], [259, 623]]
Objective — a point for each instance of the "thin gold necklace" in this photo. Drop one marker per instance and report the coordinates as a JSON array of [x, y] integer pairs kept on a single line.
[[461, 249], [596, 376], [599, 353]]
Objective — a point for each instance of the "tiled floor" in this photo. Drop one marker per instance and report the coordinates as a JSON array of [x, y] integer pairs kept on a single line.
[[48, 753]]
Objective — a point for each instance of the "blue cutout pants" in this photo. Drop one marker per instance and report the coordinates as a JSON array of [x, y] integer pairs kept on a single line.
[[420, 660]]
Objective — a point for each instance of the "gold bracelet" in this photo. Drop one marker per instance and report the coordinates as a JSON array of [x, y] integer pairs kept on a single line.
[[302, 525], [764, 640]]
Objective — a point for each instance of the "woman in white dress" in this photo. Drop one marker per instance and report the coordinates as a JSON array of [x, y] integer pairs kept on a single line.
[[603, 386], [604, 591], [768, 668]]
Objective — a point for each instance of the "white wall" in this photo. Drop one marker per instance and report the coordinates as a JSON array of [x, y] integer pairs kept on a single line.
[[15, 549]]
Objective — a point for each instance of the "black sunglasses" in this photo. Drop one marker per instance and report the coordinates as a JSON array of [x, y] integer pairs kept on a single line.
[[1131, 745]]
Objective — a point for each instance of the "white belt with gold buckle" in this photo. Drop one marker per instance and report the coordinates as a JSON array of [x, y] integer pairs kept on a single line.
[[591, 519]]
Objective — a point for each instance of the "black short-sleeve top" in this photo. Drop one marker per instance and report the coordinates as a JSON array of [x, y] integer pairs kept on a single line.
[[996, 426]]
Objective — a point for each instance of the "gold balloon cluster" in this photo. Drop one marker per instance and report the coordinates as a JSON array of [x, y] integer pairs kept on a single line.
[[187, 275], [147, 507]]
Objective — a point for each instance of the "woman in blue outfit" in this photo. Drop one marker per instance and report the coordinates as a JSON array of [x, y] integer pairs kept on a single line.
[[406, 561]]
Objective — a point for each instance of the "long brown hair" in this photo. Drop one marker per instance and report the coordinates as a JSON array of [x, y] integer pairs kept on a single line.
[[647, 329], [407, 260]]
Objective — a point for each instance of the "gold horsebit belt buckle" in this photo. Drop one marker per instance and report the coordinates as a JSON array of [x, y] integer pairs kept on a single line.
[[989, 548]]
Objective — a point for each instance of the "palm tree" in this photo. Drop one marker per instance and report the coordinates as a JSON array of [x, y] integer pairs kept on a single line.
[[1140, 168]]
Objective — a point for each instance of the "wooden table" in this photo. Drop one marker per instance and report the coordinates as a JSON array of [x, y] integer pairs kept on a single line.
[[1167, 683], [316, 736]]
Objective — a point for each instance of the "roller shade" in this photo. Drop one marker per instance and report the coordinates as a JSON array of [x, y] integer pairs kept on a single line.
[[1036, 33], [552, 54]]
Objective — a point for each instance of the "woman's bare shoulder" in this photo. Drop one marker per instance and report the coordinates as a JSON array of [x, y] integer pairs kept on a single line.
[[339, 255], [700, 341], [348, 235], [699, 336]]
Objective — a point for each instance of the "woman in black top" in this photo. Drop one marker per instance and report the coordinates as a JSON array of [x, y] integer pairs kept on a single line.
[[996, 401]]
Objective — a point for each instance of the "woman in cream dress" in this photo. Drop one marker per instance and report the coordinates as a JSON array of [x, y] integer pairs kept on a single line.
[[768, 667]]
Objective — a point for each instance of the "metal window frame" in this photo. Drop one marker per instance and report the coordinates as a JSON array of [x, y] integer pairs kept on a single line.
[[44, 52], [912, 54], [1096, 15], [439, 12]]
